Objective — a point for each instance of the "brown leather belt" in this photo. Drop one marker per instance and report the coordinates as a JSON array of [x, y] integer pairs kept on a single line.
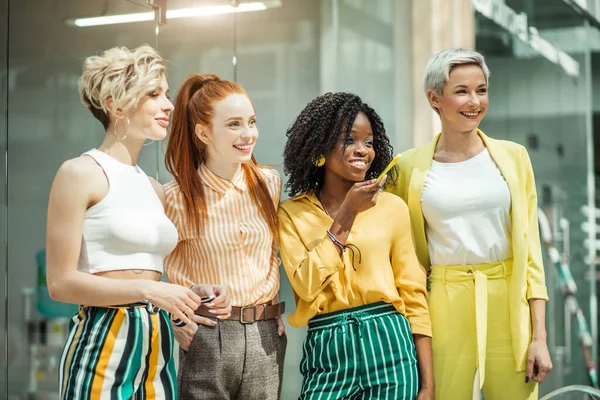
[[248, 314]]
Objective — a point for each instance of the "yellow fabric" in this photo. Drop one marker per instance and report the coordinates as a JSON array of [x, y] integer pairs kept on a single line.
[[476, 339], [324, 282], [528, 279], [481, 306]]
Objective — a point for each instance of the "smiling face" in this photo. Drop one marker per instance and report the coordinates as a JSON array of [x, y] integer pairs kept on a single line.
[[464, 101], [149, 119], [233, 133], [352, 156]]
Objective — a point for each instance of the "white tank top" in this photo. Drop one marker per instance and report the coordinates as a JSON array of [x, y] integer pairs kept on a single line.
[[466, 206], [128, 228]]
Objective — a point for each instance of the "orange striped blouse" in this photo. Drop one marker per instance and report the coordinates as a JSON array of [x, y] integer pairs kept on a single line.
[[235, 247]]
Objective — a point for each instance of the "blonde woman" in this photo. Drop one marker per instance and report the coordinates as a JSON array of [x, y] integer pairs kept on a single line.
[[473, 209], [107, 236]]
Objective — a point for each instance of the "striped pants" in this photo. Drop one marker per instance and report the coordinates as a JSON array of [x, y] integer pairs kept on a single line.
[[365, 352], [122, 352]]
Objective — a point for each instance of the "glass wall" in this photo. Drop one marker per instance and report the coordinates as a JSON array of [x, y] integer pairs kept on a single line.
[[284, 55], [4, 337], [540, 97], [46, 125]]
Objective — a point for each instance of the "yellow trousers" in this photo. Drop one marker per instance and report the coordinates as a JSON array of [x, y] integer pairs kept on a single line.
[[472, 344]]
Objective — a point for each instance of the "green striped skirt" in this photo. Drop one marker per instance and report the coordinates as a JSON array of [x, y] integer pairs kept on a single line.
[[365, 352], [121, 352]]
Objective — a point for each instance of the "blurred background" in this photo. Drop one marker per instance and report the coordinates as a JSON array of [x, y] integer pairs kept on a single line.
[[544, 93]]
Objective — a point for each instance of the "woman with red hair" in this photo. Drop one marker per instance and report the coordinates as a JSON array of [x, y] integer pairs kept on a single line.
[[225, 209]]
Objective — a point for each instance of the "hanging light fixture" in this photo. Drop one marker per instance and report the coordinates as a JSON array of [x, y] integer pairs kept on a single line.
[[202, 11]]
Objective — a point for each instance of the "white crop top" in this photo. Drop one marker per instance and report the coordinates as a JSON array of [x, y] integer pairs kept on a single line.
[[128, 228], [466, 206]]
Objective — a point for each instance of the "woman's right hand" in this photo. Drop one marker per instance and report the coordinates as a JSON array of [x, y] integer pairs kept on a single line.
[[362, 196], [177, 300], [184, 335]]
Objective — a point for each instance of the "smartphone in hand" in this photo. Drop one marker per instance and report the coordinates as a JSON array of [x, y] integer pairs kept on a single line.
[[389, 166]]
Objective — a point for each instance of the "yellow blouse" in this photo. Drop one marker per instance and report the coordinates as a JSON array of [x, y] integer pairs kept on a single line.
[[387, 268]]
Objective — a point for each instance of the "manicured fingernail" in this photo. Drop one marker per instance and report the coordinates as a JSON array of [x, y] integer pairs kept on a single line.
[[526, 379], [212, 311], [210, 305]]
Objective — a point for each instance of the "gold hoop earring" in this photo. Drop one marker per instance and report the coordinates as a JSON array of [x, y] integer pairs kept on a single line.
[[115, 132], [149, 143], [319, 162]]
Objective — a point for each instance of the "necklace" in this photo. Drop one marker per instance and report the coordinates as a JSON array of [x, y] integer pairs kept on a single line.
[[323, 204]]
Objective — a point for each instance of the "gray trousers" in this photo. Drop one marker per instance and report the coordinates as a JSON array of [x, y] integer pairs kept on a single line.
[[233, 361]]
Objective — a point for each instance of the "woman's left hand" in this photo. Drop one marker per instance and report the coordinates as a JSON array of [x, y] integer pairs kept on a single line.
[[538, 361], [426, 393]]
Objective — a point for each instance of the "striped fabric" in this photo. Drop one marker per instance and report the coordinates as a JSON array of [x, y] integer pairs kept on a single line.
[[118, 353], [364, 352], [235, 247]]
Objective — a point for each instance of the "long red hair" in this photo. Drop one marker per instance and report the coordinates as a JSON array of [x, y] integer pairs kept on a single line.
[[186, 152]]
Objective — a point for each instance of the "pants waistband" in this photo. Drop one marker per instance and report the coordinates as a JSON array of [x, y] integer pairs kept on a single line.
[[248, 314], [138, 304], [458, 273], [359, 313]]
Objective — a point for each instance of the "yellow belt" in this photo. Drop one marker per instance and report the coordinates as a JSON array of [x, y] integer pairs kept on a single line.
[[479, 274]]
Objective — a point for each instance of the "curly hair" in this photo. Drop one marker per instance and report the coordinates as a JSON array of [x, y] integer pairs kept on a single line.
[[123, 74], [315, 133]]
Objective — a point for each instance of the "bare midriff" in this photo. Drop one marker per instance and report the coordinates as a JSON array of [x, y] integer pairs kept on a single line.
[[131, 274]]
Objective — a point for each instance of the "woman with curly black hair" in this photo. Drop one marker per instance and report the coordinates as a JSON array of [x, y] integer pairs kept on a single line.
[[348, 252]]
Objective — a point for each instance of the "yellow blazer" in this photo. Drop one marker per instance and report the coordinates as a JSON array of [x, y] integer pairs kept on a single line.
[[527, 280]]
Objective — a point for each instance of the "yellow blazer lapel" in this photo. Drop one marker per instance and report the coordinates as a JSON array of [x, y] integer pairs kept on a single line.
[[519, 309], [421, 166], [506, 166]]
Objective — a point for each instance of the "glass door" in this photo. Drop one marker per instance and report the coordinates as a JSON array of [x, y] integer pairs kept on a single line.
[[47, 124]]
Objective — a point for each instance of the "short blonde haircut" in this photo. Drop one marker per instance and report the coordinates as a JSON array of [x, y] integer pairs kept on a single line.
[[121, 74], [438, 69]]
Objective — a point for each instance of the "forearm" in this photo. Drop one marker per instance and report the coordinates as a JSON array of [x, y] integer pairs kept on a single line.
[[342, 224], [537, 309], [86, 289], [425, 357]]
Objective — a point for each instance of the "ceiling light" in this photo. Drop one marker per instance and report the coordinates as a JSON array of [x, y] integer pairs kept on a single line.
[[206, 11]]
